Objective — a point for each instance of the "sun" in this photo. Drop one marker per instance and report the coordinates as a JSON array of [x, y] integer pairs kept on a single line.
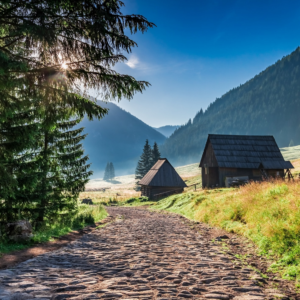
[[64, 66]]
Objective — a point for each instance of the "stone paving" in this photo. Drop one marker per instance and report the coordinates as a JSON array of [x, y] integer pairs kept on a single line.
[[141, 255]]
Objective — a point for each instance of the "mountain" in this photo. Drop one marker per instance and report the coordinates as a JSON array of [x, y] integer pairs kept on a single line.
[[268, 104], [167, 130], [118, 138]]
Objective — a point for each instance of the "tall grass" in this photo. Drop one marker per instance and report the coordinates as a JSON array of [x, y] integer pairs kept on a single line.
[[268, 213], [86, 215]]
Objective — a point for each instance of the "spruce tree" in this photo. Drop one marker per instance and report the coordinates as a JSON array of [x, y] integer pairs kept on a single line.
[[198, 116], [112, 171], [155, 154], [49, 51], [77, 42], [64, 171], [106, 172], [144, 163], [56, 168]]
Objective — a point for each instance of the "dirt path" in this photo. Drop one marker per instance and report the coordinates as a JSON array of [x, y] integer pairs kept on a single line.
[[142, 255]]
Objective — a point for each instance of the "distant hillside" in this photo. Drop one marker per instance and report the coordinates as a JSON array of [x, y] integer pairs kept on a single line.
[[291, 153], [119, 137], [167, 130], [268, 104]]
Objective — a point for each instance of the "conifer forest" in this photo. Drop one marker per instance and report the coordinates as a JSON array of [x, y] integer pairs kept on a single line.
[[51, 54]]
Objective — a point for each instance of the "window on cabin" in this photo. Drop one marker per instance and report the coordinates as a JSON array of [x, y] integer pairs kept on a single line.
[[256, 173], [205, 169]]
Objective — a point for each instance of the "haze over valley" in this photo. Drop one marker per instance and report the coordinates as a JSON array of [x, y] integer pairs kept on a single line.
[[119, 138]]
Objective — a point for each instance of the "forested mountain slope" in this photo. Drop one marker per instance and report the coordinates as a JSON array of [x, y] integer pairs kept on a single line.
[[268, 104], [119, 138]]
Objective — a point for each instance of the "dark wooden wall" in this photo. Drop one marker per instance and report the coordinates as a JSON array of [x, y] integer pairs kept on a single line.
[[210, 176], [211, 179], [150, 191], [273, 173], [216, 176], [209, 158], [253, 174], [231, 172]]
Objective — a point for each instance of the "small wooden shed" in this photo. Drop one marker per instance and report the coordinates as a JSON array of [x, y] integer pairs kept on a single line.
[[249, 157], [162, 179]]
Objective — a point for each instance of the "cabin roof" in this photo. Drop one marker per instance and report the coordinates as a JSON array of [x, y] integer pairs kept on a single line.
[[246, 151], [162, 174]]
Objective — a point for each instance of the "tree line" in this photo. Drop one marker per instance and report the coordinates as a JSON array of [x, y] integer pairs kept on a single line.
[[51, 54]]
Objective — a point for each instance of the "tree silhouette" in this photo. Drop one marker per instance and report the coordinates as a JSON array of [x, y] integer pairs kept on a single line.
[[145, 162], [155, 154], [106, 172], [111, 171]]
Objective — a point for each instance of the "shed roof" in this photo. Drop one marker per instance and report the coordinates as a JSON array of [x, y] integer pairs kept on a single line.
[[162, 174], [246, 151]]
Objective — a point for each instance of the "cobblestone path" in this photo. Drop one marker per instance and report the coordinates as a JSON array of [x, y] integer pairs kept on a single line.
[[142, 255]]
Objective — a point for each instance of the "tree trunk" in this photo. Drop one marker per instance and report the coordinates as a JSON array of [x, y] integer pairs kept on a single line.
[[9, 204], [43, 203]]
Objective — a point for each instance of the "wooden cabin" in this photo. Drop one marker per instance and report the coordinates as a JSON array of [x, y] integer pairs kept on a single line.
[[161, 180], [229, 157]]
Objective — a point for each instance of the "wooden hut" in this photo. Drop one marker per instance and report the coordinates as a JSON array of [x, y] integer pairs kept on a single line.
[[161, 180], [241, 157]]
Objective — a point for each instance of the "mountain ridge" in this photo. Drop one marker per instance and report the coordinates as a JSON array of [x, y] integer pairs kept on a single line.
[[267, 104], [119, 138]]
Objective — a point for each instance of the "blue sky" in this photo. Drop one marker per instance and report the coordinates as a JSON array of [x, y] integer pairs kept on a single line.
[[202, 49]]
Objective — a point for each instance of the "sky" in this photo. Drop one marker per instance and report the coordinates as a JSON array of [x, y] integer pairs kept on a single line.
[[201, 50]]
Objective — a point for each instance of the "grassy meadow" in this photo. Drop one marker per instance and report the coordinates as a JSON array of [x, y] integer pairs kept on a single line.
[[122, 187], [86, 215], [268, 213]]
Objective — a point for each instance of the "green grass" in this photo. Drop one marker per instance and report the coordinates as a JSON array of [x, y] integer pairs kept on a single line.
[[268, 213], [189, 170], [137, 201], [183, 204], [86, 215]]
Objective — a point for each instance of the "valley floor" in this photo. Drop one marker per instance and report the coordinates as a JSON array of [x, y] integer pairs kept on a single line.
[[123, 187], [142, 255]]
